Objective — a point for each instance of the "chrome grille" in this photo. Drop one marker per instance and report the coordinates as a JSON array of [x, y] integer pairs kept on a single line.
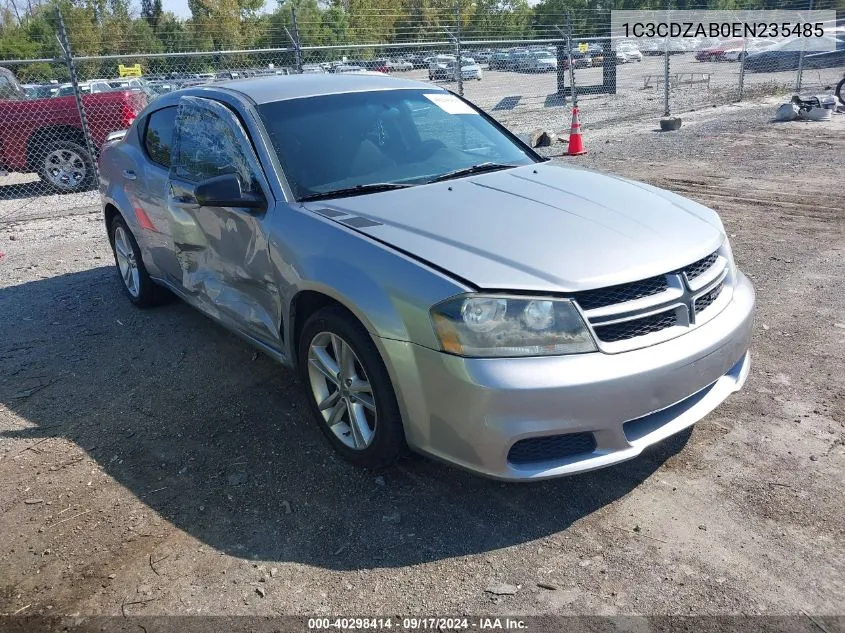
[[701, 266], [620, 315], [592, 299], [636, 327]]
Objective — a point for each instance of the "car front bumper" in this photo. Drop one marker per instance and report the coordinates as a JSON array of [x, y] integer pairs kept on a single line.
[[471, 412]]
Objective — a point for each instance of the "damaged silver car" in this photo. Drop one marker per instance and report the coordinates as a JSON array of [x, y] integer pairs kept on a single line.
[[436, 284]]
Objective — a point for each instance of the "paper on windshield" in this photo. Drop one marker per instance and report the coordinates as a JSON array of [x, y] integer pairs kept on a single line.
[[449, 103]]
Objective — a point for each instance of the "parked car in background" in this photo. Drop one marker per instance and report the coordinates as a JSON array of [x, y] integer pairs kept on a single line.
[[500, 60], [786, 55], [482, 56], [399, 65], [581, 60], [657, 46], [346, 68], [417, 61], [541, 61], [439, 67], [66, 90], [159, 88], [737, 53], [375, 65], [45, 136], [752, 46], [39, 91], [519, 60], [716, 53], [630, 51], [432, 281], [313, 68], [445, 67]]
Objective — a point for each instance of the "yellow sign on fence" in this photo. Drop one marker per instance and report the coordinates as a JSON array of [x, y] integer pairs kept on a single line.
[[583, 48], [129, 71]]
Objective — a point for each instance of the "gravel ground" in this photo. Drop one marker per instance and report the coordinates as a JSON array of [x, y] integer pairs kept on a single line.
[[151, 463]]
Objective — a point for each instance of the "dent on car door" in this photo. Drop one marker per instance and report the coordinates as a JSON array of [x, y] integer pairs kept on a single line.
[[222, 250]]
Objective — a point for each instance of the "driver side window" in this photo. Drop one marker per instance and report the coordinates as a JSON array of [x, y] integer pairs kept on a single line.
[[207, 146]]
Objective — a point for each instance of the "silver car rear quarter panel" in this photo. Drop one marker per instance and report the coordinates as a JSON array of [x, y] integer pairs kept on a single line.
[[471, 411]]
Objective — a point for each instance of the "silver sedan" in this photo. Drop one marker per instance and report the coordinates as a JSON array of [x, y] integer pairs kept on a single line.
[[436, 284]]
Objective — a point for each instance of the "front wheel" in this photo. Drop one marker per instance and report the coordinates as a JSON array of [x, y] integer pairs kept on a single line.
[[840, 91], [137, 284], [349, 390]]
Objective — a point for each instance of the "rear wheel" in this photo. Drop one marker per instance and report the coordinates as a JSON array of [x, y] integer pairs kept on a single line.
[[66, 167], [349, 390], [840, 91]]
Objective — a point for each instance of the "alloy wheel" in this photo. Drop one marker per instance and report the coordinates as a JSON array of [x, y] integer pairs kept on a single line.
[[126, 262], [342, 390]]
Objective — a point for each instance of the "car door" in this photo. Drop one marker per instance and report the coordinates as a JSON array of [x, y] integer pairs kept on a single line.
[[222, 251], [150, 200]]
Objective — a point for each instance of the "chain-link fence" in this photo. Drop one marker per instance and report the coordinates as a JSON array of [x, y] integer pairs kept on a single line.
[[93, 74]]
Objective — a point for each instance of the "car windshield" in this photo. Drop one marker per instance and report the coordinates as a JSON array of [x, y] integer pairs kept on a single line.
[[343, 141]]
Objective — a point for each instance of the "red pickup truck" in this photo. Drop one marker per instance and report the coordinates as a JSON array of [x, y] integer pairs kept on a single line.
[[45, 135]]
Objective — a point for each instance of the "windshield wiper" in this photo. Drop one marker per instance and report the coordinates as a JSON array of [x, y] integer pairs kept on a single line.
[[357, 190], [468, 171]]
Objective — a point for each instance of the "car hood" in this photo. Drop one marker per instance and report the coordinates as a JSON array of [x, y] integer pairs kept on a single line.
[[539, 228]]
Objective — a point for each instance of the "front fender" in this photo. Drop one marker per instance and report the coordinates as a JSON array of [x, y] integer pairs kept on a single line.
[[388, 291]]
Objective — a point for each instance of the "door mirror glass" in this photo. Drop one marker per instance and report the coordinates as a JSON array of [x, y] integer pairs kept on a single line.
[[226, 191]]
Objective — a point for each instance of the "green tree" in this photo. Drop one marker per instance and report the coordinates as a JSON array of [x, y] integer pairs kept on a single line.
[[151, 11]]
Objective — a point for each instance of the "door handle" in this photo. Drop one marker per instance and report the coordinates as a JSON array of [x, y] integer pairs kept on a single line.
[[129, 174]]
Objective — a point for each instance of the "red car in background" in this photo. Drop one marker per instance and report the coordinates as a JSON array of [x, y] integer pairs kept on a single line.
[[373, 65], [716, 53]]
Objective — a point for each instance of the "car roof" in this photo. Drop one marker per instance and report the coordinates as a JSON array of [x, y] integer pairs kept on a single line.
[[282, 87]]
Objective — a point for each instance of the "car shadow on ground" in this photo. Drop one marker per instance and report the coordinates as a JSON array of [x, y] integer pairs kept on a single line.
[[20, 190], [217, 441]]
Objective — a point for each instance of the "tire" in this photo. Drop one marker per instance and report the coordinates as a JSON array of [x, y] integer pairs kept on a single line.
[[134, 279], [378, 439], [65, 167], [840, 91]]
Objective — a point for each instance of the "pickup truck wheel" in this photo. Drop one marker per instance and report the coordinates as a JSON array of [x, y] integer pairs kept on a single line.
[[66, 167], [349, 390]]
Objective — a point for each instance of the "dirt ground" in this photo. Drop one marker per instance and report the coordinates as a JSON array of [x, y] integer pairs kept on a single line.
[[152, 463]]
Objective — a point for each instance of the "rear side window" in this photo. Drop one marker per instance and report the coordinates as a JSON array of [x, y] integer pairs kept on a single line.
[[158, 136]]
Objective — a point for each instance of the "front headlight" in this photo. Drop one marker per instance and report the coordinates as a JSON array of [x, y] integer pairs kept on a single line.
[[496, 326]]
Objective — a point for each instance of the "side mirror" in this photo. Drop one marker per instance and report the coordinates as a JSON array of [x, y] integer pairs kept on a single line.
[[225, 191]]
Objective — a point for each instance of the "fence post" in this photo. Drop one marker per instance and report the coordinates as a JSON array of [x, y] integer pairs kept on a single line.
[[800, 75], [742, 56], [666, 77], [74, 80], [459, 61], [569, 57], [562, 56], [297, 51]]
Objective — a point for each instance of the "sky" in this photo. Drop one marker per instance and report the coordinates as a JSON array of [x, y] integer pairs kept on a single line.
[[180, 7]]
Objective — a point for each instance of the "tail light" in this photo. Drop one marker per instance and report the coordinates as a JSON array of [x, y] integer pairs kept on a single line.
[[127, 114]]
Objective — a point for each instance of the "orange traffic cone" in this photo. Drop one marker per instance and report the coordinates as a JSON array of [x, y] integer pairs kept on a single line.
[[576, 145]]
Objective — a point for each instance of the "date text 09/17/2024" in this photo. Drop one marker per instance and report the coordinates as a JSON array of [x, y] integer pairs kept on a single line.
[[417, 624]]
